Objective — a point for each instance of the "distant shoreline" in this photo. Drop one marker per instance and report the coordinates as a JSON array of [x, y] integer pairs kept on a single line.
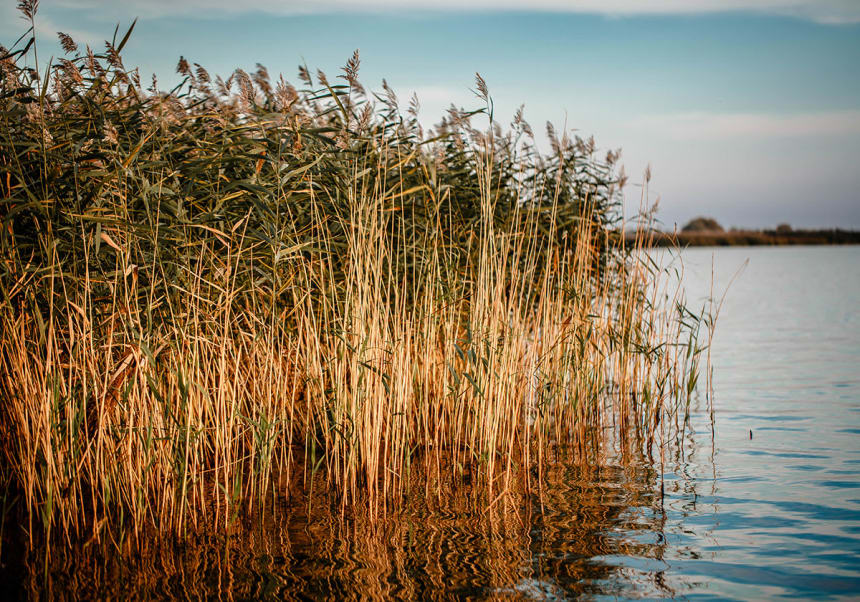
[[735, 238]]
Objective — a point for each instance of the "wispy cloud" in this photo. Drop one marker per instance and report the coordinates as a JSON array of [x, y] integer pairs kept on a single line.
[[716, 126], [435, 100], [12, 24], [822, 11]]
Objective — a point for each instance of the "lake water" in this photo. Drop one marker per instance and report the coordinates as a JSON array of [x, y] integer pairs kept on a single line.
[[777, 512], [769, 507]]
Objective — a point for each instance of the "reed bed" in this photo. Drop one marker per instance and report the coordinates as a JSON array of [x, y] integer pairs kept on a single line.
[[240, 289]]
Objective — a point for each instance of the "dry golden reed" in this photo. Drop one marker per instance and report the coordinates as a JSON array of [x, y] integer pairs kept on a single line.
[[224, 293]]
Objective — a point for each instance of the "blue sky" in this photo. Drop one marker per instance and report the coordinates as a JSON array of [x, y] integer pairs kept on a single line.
[[746, 111]]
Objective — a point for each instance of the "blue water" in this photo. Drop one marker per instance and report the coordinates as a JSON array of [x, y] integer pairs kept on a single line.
[[775, 512]]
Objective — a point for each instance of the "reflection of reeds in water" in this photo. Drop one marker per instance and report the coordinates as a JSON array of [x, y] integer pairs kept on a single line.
[[236, 290], [529, 545]]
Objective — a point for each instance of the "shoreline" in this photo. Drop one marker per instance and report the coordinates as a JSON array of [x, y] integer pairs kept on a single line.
[[738, 238]]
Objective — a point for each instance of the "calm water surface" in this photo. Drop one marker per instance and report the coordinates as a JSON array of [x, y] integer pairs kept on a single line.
[[768, 508], [777, 513]]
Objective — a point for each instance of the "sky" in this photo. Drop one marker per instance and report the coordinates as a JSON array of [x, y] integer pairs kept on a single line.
[[747, 111]]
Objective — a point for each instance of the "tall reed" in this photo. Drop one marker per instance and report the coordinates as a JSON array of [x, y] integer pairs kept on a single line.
[[239, 289]]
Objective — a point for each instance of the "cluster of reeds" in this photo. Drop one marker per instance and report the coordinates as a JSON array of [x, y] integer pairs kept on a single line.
[[239, 288]]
